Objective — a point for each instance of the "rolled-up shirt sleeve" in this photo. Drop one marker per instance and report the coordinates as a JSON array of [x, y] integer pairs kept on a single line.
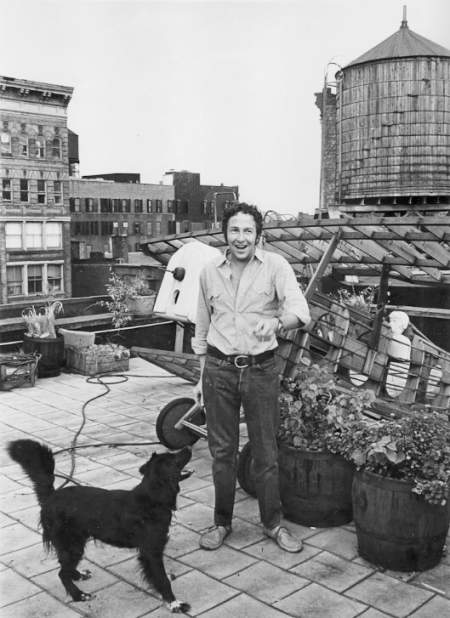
[[203, 318], [289, 293]]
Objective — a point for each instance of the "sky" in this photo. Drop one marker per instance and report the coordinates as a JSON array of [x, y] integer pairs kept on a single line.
[[225, 88]]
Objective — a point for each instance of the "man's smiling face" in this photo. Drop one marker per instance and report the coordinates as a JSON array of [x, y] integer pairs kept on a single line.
[[241, 233]]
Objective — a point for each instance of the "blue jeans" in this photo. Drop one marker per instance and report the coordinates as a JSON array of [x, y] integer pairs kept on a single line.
[[225, 388]]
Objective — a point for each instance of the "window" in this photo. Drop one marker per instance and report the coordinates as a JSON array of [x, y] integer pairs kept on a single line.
[[105, 204], [170, 205], [23, 190], [149, 228], [56, 147], [149, 206], [14, 280], [39, 148], [138, 206], [6, 189], [126, 205], [40, 129], [157, 228], [158, 205], [33, 235], [91, 204], [23, 146], [106, 228], [53, 235], [41, 192], [137, 228], [117, 205], [34, 277], [57, 193], [5, 143], [13, 232], [54, 278]]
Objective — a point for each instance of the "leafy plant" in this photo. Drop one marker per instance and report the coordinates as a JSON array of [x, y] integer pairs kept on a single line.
[[121, 291], [41, 322], [414, 448], [315, 410], [362, 300], [317, 414]]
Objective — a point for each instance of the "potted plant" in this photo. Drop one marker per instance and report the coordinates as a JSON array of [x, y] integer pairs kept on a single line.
[[41, 338], [143, 297], [401, 489], [127, 298], [315, 480]]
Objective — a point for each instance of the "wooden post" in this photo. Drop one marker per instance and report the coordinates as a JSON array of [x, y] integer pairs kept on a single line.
[[381, 304], [179, 337], [378, 321]]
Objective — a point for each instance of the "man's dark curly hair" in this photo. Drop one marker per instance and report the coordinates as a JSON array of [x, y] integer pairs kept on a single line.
[[246, 209]]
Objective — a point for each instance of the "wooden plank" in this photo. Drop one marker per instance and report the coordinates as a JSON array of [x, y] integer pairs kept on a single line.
[[301, 337]]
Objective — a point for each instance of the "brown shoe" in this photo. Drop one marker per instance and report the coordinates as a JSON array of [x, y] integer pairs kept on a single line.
[[284, 539], [214, 537]]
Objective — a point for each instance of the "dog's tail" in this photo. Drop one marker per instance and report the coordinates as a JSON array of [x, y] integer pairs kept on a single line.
[[38, 462]]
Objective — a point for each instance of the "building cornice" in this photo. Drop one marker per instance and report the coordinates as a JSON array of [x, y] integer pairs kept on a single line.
[[16, 87]]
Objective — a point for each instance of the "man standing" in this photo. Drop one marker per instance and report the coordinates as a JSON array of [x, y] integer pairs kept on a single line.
[[245, 296]]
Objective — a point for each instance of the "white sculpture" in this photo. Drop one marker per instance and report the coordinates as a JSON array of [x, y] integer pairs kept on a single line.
[[399, 350]]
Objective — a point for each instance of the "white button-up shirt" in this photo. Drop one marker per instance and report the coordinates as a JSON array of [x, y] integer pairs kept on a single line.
[[227, 318]]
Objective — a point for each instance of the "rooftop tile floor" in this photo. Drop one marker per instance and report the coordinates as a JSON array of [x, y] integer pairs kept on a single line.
[[249, 577]]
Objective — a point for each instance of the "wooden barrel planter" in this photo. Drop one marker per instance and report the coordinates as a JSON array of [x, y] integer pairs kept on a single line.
[[396, 528], [51, 350], [315, 488]]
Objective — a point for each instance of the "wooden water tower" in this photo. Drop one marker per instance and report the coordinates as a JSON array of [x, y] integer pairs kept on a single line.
[[390, 139]]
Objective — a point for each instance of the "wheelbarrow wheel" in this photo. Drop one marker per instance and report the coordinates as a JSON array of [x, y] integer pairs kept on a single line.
[[245, 472], [169, 416]]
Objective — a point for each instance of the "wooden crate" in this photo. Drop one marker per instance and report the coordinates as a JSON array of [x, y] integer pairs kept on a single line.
[[96, 359], [17, 370]]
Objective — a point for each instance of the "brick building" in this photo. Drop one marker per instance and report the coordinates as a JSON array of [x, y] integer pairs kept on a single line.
[[112, 218], [34, 206], [197, 206]]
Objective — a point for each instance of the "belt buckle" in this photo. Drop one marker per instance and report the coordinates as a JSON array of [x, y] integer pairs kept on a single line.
[[237, 364]]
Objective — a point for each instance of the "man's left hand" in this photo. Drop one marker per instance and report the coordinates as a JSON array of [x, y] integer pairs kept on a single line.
[[266, 328]]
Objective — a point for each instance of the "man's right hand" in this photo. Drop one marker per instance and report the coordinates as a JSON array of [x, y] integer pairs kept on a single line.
[[198, 392]]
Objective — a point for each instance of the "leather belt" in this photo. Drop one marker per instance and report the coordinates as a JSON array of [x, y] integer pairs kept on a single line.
[[240, 360]]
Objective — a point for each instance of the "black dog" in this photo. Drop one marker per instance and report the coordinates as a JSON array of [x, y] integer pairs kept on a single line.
[[139, 518]]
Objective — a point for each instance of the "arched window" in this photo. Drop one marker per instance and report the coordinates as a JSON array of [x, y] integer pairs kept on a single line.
[[56, 147]]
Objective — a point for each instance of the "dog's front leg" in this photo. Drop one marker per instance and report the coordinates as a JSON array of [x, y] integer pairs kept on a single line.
[[155, 574]]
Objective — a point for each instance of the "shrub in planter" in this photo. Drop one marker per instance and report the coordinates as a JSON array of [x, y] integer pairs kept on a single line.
[[315, 480], [401, 491]]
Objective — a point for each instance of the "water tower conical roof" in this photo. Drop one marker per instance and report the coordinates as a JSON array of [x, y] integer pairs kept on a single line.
[[402, 44]]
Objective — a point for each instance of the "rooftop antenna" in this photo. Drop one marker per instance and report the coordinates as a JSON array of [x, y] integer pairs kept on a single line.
[[404, 23]]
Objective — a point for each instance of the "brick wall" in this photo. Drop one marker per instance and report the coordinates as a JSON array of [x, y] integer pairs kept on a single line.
[[328, 163]]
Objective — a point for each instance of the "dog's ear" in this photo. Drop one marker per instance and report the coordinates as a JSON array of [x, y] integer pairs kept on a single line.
[[144, 468]]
